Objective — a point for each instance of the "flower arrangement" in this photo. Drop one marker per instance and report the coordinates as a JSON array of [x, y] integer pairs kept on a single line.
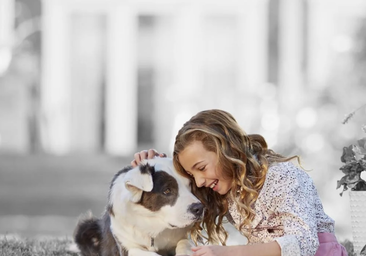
[[354, 159]]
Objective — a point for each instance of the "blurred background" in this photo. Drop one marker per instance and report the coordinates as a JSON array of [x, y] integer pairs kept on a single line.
[[84, 84]]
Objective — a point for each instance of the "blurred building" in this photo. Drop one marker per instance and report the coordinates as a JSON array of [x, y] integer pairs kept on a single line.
[[113, 77], [133, 68], [107, 76]]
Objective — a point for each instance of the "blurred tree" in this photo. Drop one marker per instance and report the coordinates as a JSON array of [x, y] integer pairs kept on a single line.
[[23, 74]]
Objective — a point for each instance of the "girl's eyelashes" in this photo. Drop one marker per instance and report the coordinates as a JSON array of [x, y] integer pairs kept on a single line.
[[202, 168]]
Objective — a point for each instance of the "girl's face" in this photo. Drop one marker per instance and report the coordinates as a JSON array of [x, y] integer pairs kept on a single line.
[[203, 166]]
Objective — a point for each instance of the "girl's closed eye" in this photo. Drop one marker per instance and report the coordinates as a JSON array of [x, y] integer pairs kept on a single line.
[[202, 168]]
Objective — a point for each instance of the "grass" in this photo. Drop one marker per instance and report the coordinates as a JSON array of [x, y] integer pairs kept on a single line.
[[43, 195], [60, 247], [35, 247]]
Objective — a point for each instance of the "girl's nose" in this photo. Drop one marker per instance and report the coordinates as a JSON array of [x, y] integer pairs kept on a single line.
[[200, 181]]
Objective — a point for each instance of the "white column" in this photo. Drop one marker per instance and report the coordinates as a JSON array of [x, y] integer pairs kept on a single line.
[[291, 43], [254, 55], [121, 91], [188, 58], [321, 30], [7, 19], [55, 79]]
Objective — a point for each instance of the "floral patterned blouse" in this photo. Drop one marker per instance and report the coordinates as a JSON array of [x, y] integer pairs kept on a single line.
[[288, 210]]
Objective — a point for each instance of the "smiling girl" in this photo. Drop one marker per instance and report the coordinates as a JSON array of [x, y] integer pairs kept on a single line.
[[263, 194]]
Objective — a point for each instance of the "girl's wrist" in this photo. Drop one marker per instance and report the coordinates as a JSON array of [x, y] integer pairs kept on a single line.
[[238, 250]]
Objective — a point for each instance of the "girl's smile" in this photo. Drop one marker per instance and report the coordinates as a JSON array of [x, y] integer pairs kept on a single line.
[[203, 166]]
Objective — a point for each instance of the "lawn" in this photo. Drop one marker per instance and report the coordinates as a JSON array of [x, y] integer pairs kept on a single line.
[[42, 196], [60, 247], [33, 247]]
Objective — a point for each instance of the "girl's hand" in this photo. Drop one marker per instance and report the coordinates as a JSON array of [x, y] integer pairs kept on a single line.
[[211, 250], [145, 154]]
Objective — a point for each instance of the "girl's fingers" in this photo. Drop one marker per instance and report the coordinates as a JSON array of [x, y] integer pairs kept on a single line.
[[133, 163], [136, 160], [138, 157], [151, 153], [145, 154], [195, 248], [197, 251]]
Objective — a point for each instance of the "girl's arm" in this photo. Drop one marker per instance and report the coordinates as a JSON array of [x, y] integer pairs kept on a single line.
[[266, 249]]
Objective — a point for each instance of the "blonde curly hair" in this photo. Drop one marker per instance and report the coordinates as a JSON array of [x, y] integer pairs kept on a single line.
[[243, 158]]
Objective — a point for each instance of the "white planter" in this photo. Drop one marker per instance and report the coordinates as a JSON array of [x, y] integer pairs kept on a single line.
[[358, 219]]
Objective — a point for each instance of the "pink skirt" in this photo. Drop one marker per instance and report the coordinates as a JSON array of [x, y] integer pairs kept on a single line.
[[329, 246]]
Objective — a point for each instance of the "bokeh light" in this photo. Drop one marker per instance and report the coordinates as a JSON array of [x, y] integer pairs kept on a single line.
[[306, 117], [313, 142]]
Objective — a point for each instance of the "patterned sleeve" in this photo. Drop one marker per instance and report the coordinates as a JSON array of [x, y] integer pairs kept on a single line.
[[293, 199]]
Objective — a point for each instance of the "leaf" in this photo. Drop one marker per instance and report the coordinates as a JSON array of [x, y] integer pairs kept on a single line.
[[348, 154], [339, 184], [363, 164], [349, 180], [344, 189], [362, 146], [359, 152], [354, 167]]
